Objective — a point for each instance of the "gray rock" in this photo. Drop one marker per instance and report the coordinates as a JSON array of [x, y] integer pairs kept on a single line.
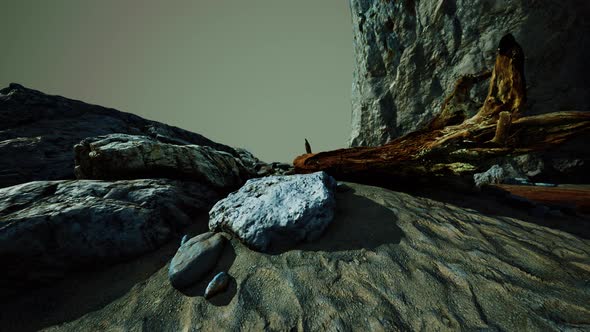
[[250, 161], [48, 228], [568, 164], [121, 156], [183, 239], [408, 55], [505, 173], [38, 132], [264, 171], [217, 285], [494, 175], [194, 259], [277, 211], [259, 168], [281, 166], [530, 164]]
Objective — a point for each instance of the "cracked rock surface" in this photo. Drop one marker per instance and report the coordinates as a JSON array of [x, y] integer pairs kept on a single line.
[[48, 228], [121, 156], [277, 210]]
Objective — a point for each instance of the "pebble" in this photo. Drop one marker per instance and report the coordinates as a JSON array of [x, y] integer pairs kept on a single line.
[[217, 285]]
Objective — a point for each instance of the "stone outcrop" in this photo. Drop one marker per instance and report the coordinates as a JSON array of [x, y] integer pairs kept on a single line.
[[277, 211], [409, 54], [38, 133], [121, 156], [194, 259], [48, 228], [388, 262]]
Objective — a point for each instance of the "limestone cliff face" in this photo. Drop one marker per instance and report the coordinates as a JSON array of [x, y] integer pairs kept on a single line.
[[410, 52]]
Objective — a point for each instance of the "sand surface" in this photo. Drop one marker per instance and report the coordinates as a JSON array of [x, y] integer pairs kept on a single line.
[[389, 261]]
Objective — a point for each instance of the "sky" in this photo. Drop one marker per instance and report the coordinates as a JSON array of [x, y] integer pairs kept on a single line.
[[257, 74]]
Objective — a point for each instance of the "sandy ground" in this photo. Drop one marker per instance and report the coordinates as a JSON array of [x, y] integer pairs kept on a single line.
[[389, 261]]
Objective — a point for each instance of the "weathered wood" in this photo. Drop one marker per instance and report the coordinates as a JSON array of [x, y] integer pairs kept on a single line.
[[446, 149], [502, 128], [453, 110], [576, 197]]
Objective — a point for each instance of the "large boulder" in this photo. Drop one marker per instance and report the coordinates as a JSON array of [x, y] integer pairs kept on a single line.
[[38, 133], [50, 227], [121, 156], [277, 211], [410, 53], [194, 259]]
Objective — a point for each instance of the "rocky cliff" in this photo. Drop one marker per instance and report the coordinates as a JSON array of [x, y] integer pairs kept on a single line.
[[410, 53]]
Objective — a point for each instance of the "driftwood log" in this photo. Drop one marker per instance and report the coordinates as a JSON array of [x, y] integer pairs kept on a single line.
[[453, 146]]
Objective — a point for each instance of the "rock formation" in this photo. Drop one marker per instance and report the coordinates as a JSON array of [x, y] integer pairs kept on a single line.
[[277, 211], [121, 156], [48, 228], [194, 259], [409, 54], [38, 132]]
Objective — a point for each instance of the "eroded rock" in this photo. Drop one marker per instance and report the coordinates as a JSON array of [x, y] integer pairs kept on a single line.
[[38, 132], [121, 156], [48, 228], [194, 259], [277, 211]]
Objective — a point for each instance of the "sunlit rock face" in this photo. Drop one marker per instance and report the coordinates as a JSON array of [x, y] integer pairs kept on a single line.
[[409, 53]]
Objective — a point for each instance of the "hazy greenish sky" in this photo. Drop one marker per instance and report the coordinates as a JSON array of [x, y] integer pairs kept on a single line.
[[258, 74]]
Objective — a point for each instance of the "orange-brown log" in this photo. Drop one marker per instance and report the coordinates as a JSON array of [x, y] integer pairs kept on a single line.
[[426, 153], [461, 149], [579, 197]]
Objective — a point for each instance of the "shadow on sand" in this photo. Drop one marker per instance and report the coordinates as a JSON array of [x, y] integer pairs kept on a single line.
[[359, 223], [86, 290], [492, 203]]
